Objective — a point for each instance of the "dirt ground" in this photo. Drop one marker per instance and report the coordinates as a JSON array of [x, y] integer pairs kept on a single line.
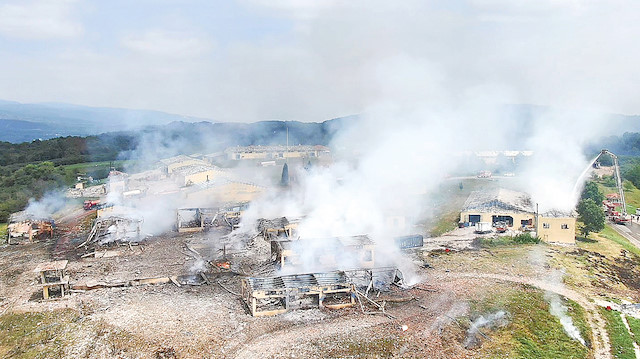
[[209, 320]]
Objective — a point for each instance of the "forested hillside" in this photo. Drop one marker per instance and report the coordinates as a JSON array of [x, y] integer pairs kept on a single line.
[[30, 169]]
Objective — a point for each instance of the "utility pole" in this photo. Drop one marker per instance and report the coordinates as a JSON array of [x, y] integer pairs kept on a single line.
[[537, 221]]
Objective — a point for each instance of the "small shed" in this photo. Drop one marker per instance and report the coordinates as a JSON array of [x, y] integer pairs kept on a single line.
[[52, 275]]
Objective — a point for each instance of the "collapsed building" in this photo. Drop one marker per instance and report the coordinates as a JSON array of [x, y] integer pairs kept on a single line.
[[114, 229], [358, 251], [224, 190], [517, 211], [169, 165], [27, 227], [195, 219], [195, 174], [277, 228], [202, 219], [265, 296]]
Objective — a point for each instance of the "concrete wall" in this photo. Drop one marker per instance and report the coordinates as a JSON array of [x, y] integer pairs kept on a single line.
[[550, 229], [488, 217], [271, 155], [195, 178], [190, 162], [228, 192]]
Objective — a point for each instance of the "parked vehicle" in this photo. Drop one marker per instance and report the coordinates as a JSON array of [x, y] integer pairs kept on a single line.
[[483, 227]]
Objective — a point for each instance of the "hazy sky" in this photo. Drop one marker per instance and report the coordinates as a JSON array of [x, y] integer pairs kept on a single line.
[[311, 60]]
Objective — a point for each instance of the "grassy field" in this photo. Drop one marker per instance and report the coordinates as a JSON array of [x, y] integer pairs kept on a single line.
[[3, 232], [634, 324], [445, 223], [621, 342], [34, 335], [532, 332], [631, 195], [90, 165], [50, 334], [610, 234]]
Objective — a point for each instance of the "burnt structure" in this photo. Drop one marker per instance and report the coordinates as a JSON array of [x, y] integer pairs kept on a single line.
[[25, 227], [266, 296], [195, 219], [359, 251], [52, 275], [114, 230], [276, 295], [277, 229]]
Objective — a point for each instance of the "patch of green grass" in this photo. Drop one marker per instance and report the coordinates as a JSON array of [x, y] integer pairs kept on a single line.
[[524, 238], [532, 332], [610, 234], [92, 165], [447, 222], [48, 334], [631, 194], [3, 232], [621, 342], [634, 324], [34, 335]]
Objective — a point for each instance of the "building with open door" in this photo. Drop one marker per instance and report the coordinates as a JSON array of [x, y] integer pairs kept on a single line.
[[517, 210]]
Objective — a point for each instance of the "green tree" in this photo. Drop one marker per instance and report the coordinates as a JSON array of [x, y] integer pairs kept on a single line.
[[591, 215], [633, 175], [591, 191]]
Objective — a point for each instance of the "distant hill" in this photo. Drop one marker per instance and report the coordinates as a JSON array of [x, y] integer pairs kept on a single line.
[[26, 122], [155, 142]]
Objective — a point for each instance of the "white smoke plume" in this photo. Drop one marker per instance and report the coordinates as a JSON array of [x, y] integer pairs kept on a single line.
[[47, 206], [559, 310], [491, 320], [538, 260]]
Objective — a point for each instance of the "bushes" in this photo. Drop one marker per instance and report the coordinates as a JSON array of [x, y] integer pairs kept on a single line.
[[525, 238]]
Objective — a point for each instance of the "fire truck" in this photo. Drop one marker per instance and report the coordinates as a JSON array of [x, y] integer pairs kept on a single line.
[[616, 200]]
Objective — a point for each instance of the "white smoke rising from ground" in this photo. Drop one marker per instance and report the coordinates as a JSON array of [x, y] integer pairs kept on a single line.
[[538, 260], [491, 320], [47, 206], [406, 145], [559, 310]]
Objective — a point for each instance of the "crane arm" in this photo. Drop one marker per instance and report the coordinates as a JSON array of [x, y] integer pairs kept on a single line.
[[616, 167]]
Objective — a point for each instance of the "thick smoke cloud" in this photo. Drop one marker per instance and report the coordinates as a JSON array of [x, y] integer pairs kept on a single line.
[[306, 60]]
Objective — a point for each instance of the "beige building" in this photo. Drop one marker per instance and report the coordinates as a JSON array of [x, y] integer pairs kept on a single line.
[[517, 210], [195, 174], [223, 190], [500, 205], [169, 165], [557, 227], [276, 152]]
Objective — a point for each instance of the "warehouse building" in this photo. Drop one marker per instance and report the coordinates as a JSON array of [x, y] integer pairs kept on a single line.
[[169, 165], [276, 152], [195, 174], [519, 213]]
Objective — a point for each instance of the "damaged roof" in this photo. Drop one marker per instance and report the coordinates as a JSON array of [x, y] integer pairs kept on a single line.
[[276, 148], [189, 170], [499, 200], [176, 159], [23, 216], [555, 213]]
